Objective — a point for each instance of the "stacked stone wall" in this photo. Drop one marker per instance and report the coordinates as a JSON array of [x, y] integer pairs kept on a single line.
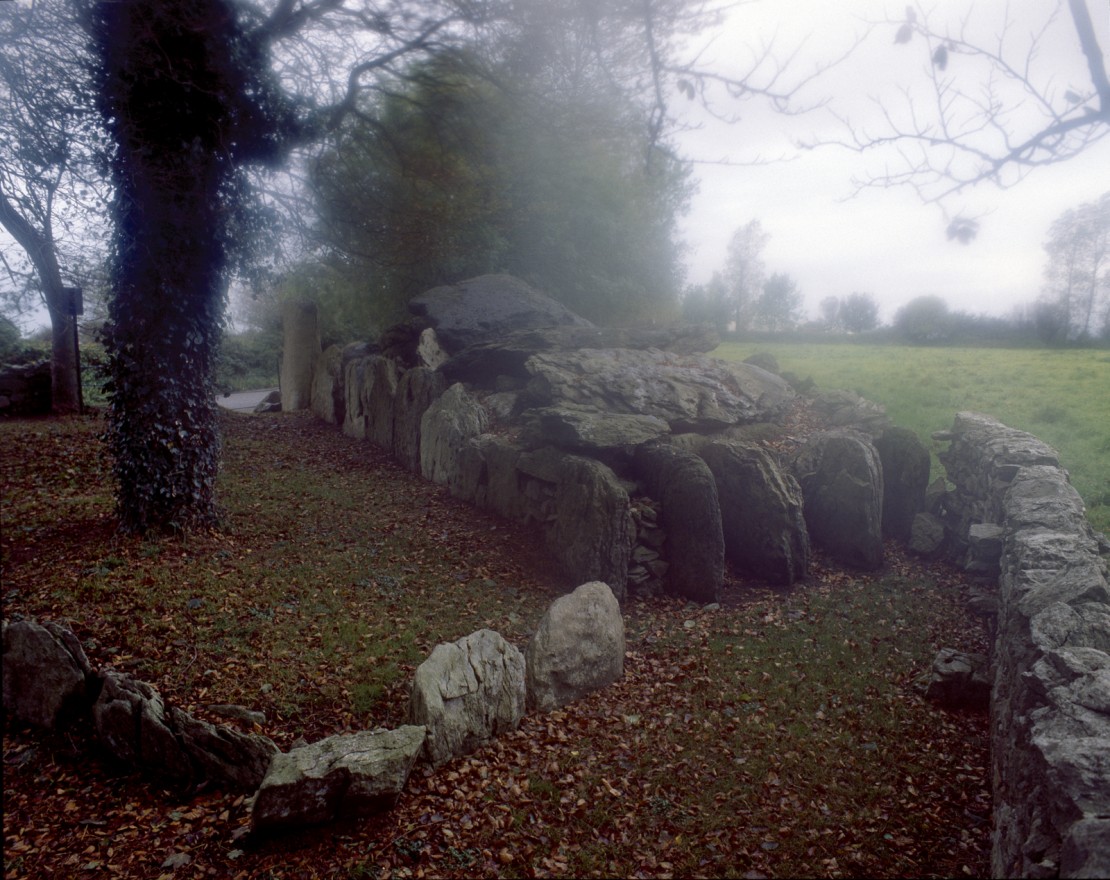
[[1050, 700]]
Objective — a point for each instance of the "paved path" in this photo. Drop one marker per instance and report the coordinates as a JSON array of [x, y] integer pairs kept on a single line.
[[243, 401]]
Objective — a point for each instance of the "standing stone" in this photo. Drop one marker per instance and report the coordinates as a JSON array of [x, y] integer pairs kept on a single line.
[[378, 400], [906, 466], [447, 426], [45, 673], [691, 516], [593, 530], [300, 350], [466, 693], [224, 755], [416, 391], [762, 512], [328, 400], [337, 778], [842, 482], [577, 648]]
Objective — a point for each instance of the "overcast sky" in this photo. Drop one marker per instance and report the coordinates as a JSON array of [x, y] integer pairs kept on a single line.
[[883, 242]]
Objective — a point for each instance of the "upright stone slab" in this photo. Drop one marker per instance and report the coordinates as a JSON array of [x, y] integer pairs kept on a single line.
[[466, 693], [593, 530], [300, 350], [341, 777], [328, 399], [448, 424], [379, 401], [416, 391], [45, 673], [906, 466], [691, 516], [578, 647], [762, 512], [842, 483]]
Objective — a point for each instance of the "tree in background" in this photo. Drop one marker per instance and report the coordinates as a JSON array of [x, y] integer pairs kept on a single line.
[[924, 319], [744, 271], [1076, 295], [858, 313], [52, 196], [779, 306], [707, 304]]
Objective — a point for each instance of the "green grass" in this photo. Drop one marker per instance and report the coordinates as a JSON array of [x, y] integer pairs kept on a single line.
[[1062, 396]]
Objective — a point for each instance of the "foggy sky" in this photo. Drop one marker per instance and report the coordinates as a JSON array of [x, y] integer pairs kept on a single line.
[[883, 242]]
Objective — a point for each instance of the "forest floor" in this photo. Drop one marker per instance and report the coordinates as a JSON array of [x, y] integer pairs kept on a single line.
[[782, 734]]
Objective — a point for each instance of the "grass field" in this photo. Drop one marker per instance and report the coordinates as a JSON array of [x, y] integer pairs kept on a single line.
[[1061, 396]]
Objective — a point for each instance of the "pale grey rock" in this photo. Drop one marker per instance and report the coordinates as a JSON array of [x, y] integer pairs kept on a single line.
[[340, 777], [448, 424], [691, 516], [845, 409], [429, 353], [45, 673], [689, 392], [842, 483], [466, 693], [1086, 849], [577, 648], [927, 535], [378, 401], [984, 549], [762, 512]]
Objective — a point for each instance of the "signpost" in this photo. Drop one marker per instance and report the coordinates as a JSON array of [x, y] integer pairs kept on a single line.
[[75, 305]]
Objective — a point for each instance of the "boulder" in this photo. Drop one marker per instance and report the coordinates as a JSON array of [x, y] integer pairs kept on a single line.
[[927, 535], [133, 725], [466, 693], [429, 353], [845, 409], [691, 516], [506, 355], [842, 483], [447, 425], [592, 532], [488, 307], [271, 403], [225, 756], [416, 391], [299, 353], [959, 680], [906, 464], [577, 648], [45, 674], [762, 512], [339, 777], [689, 392], [328, 400]]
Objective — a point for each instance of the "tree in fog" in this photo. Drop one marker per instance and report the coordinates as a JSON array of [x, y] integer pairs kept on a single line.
[[52, 195], [858, 313], [744, 271], [779, 306], [923, 319], [707, 303], [1075, 302], [989, 110]]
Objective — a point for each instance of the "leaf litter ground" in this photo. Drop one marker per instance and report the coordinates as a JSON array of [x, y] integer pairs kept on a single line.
[[782, 734]]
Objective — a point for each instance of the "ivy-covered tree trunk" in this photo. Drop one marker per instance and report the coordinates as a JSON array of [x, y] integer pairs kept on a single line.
[[180, 93]]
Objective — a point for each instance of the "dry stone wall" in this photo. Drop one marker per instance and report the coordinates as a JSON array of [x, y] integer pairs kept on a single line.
[[1050, 701]]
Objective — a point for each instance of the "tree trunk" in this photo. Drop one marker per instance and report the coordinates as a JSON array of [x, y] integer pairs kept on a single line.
[[63, 363]]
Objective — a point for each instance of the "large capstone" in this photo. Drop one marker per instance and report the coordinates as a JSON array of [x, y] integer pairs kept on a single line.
[[487, 307], [466, 693], [337, 778], [577, 648]]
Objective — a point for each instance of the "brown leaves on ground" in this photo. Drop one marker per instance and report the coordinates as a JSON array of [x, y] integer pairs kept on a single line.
[[780, 735]]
